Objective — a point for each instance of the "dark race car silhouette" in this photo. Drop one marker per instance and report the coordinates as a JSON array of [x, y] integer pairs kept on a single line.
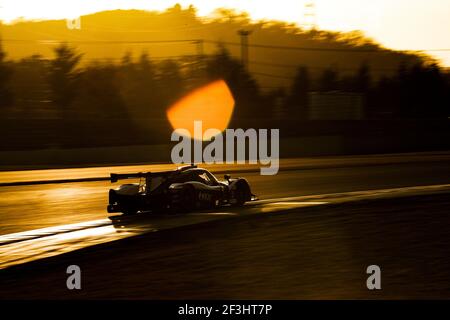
[[186, 188]]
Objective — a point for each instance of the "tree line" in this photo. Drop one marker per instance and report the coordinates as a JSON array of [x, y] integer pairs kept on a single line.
[[144, 88]]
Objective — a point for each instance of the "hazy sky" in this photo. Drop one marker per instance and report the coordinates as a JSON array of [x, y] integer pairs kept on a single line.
[[398, 24]]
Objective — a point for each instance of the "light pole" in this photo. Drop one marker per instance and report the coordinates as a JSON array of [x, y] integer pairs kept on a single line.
[[244, 46]]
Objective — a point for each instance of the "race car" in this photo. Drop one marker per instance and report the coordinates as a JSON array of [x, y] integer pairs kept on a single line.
[[186, 188]]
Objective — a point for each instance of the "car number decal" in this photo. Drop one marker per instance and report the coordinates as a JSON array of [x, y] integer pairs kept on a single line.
[[204, 196]]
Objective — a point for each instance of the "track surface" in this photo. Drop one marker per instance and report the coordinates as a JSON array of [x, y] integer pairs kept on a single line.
[[320, 252], [45, 220], [22, 247], [25, 208]]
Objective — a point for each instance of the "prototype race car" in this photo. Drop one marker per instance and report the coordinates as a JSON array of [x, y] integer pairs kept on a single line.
[[186, 188]]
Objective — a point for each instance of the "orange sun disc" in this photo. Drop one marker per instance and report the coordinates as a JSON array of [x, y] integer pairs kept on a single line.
[[211, 104]]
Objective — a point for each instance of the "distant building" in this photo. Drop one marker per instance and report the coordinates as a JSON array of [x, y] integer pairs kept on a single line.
[[335, 105]]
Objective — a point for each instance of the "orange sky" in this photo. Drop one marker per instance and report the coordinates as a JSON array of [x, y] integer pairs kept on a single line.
[[398, 24]]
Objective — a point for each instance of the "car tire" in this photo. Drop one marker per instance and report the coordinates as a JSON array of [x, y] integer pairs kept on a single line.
[[129, 212], [241, 195]]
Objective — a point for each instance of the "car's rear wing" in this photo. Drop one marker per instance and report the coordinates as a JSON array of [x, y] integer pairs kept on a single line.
[[122, 176]]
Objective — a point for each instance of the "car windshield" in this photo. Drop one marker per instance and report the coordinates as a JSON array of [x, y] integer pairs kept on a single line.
[[204, 178]]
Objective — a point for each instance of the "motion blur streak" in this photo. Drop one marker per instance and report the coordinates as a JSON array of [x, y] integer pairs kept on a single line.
[[51, 231], [39, 248], [279, 206], [15, 249], [23, 250], [31, 207], [212, 104]]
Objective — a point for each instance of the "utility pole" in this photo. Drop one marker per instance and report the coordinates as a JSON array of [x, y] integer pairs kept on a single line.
[[309, 16], [244, 46]]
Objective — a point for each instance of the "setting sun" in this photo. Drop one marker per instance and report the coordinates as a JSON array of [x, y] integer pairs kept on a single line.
[[212, 104]]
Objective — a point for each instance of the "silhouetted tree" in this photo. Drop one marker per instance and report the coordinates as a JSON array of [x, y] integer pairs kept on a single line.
[[6, 96], [170, 81], [99, 93], [424, 91], [420, 91], [63, 76], [30, 86], [439, 94], [298, 98], [148, 85], [363, 79], [329, 80], [127, 61], [244, 88], [140, 88]]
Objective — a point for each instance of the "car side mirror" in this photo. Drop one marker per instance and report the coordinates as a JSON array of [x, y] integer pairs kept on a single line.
[[227, 177]]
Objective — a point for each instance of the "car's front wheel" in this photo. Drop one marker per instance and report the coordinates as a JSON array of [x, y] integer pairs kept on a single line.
[[240, 195]]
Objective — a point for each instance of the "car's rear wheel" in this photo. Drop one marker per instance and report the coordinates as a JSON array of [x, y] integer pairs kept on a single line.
[[129, 209], [129, 212], [189, 199]]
